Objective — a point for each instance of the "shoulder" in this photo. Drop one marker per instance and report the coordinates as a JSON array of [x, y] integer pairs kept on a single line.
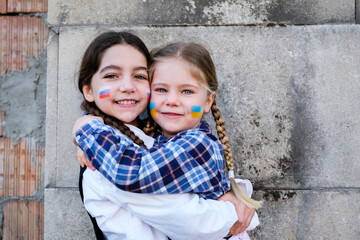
[[149, 141], [200, 136]]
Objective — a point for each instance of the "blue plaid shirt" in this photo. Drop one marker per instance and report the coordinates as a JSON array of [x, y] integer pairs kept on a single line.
[[190, 162]]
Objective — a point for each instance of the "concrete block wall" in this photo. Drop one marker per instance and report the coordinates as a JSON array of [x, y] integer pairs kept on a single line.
[[289, 92]]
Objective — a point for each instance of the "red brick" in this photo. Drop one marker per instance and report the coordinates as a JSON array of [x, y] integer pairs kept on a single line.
[[20, 168], [23, 220], [21, 37], [21, 6], [3, 5]]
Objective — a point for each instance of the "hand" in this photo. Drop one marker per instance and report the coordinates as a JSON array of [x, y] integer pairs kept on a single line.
[[244, 213], [82, 121], [83, 160]]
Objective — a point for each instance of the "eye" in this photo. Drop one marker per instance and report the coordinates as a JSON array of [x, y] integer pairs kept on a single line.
[[160, 90], [187, 92], [140, 77], [110, 76]]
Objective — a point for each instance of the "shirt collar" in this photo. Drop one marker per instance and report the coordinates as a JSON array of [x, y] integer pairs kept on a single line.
[[203, 126]]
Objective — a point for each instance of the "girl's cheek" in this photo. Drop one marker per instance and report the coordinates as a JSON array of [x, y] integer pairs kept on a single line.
[[196, 111], [104, 92]]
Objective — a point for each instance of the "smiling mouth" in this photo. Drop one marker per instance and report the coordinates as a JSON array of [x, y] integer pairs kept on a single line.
[[126, 102], [172, 115]]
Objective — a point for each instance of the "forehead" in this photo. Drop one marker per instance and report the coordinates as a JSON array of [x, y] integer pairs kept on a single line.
[[123, 54], [178, 70]]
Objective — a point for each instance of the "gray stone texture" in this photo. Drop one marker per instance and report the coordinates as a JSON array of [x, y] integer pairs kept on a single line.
[[21, 99], [289, 96], [309, 214], [65, 216], [357, 3], [191, 12]]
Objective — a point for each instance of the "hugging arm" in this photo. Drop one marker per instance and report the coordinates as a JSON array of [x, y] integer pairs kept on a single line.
[[188, 163]]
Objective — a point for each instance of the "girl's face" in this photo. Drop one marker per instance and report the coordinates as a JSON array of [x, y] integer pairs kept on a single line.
[[178, 100], [120, 87]]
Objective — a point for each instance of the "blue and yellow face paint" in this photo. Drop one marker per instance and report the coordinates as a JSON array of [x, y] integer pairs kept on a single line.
[[196, 111], [152, 109]]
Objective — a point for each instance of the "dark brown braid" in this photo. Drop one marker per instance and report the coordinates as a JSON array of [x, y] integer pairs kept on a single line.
[[149, 126], [91, 108], [220, 128]]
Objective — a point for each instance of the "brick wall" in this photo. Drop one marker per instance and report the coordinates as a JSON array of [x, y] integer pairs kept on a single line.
[[23, 36]]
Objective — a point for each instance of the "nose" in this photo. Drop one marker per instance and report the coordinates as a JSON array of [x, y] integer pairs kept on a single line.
[[172, 99], [127, 85]]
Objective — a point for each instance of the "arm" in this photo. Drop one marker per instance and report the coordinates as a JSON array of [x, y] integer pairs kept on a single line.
[[188, 163], [179, 216]]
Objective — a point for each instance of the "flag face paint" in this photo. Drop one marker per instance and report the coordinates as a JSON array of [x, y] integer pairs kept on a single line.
[[148, 97], [195, 111], [152, 109], [104, 92]]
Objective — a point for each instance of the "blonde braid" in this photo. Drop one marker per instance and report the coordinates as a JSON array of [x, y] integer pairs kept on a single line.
[[238, 191], [220, 128]]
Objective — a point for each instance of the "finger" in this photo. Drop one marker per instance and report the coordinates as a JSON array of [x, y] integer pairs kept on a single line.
[[248, 221], [237, 228], [234, 229], [89, 165]]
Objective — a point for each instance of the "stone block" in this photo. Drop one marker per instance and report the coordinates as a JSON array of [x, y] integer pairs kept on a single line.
[[184, 12], [51, 110], [311, 12], [357, 4], [309, 214], [65, 216]]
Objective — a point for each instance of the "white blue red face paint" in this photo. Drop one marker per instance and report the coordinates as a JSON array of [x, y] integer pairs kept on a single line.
[[195, 111], [104, 92]]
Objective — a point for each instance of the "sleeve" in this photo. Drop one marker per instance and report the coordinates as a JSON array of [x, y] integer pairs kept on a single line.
[[185, 216], [178, 216], [186, 164], [182, 216]]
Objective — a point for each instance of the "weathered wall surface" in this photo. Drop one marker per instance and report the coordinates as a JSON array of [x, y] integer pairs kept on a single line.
[[23, 40], [289, 91]]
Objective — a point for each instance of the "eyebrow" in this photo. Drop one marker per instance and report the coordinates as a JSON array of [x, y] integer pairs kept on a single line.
[[115, 67], [182, 86]]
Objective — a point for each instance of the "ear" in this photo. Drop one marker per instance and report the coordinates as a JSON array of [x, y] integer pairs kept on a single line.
[[209, 102], [88, 94]]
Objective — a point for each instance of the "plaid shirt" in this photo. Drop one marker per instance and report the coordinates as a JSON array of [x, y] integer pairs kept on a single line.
[[190, 162]]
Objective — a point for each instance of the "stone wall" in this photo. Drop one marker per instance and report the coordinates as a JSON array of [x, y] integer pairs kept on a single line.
[[289, 92]]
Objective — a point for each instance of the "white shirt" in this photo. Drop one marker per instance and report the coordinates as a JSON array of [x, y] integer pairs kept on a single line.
[[126, 215]]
